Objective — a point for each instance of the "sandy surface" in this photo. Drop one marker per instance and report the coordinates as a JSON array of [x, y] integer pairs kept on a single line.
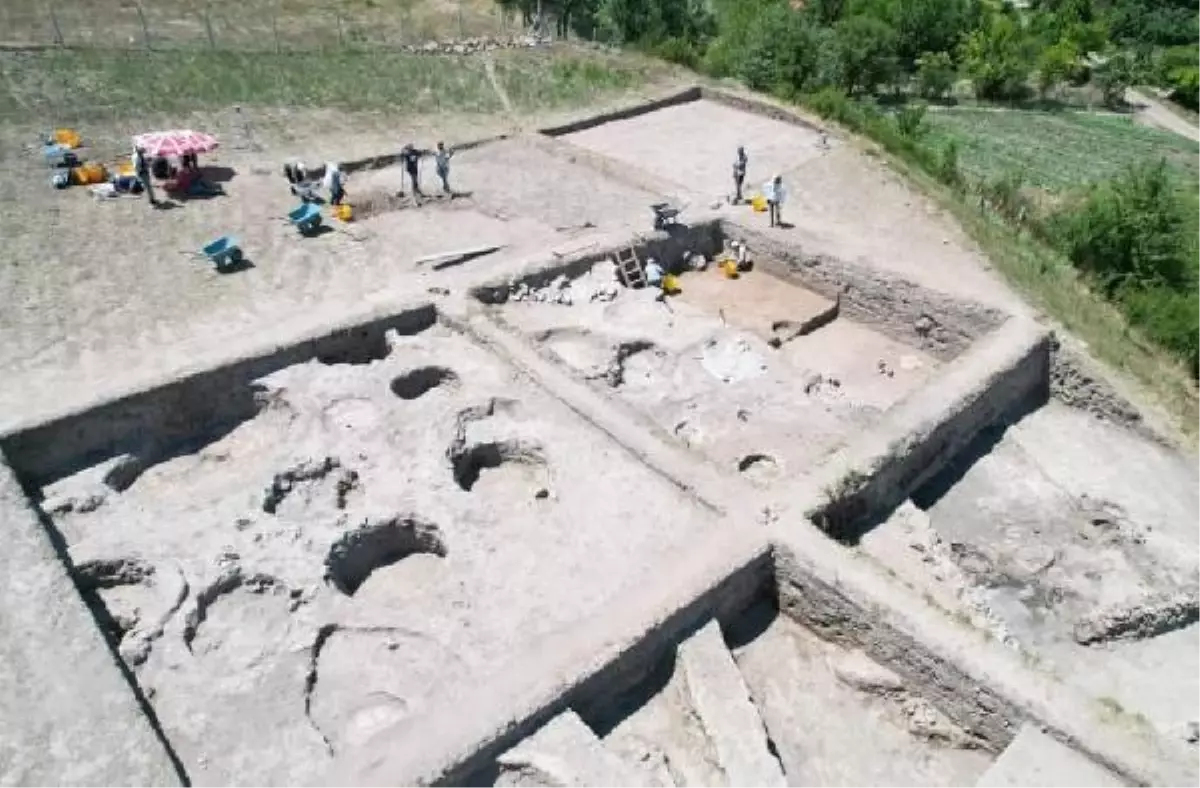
[[272, 675]]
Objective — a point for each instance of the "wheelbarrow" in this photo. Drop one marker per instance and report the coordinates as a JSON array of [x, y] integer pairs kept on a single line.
[[59, 156], [306, 218], [665, 215], [224, 252]]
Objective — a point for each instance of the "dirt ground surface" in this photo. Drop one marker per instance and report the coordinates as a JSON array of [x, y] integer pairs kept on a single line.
[[382, 530], [779, 678], [702, 371], [1087, 566], [838, 201], [303, 627]]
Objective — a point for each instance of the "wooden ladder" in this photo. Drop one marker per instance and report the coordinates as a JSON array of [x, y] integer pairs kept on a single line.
[[630, 268]]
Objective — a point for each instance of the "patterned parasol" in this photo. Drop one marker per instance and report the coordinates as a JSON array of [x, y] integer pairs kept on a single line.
[[175, 143]]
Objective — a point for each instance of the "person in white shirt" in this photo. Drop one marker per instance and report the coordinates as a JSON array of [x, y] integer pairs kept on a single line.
[[442, 160], [654, 273], [775, 194], [335, 182]]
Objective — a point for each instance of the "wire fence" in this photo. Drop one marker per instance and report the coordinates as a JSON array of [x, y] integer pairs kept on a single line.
[[254, 25]]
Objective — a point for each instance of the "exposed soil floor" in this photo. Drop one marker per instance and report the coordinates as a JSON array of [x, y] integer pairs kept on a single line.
[[1083, 561], [839, 202], [773, 703], [380, 531], [417, 522], [701, 368], [704, 136]]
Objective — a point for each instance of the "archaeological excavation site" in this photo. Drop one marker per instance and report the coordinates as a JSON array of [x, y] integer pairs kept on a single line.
[[522, 519]]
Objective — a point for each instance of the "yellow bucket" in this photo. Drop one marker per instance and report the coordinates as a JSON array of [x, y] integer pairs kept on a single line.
[[670, 284], [758, 203], [125, 168], [88, 173], [343, 212], [67, 137], [729, 268]]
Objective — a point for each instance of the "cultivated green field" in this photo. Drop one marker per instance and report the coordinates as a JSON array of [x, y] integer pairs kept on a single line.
[[1057, 150]]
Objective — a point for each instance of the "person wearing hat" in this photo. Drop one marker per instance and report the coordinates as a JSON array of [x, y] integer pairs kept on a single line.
[[775, 194]]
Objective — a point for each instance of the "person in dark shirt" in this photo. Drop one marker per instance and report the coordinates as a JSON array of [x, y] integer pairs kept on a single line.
[[141, 166], [411, 156], [739, 174]]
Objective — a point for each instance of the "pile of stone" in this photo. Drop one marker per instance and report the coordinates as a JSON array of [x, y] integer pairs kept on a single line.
[[599, 285], [468, 46]]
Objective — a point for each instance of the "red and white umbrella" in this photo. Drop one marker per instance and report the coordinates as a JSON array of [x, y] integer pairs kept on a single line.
[[175, 143]]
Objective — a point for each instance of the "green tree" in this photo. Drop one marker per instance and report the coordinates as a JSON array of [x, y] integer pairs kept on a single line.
[[866, 50], [935, 74], [1055, 65], [1112, 77], [780, 51], [650, 22], [994, 57], [920, 25]]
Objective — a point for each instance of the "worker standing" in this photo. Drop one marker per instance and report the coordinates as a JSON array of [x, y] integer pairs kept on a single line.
[[412, 160], [442, 157], [739, 174], [335, 181], [775, 194], [141, 166]]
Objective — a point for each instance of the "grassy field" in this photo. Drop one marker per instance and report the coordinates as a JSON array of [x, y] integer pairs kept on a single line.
[[78, 86], [256, 25]]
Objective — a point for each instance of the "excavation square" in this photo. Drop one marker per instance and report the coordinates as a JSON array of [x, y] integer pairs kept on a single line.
[[693, 145], [756, 374], [377, 530]]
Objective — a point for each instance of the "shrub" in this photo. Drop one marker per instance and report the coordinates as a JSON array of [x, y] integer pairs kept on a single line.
[[678, 50], [1112, 78], [867, 51], [1168, 318], [1055, 65], [1006, 197], [945, 167], [994, 57], [779, 51], [910, 121], [935, 75], [1133, 231]]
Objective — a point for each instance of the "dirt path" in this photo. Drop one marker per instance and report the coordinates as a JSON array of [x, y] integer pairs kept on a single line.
[[1152, 112]]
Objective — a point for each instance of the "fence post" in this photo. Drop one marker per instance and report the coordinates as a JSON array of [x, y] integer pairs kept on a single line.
[[212, 39], [275, 26], [341, 37], [58, 36], [145, 27]]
